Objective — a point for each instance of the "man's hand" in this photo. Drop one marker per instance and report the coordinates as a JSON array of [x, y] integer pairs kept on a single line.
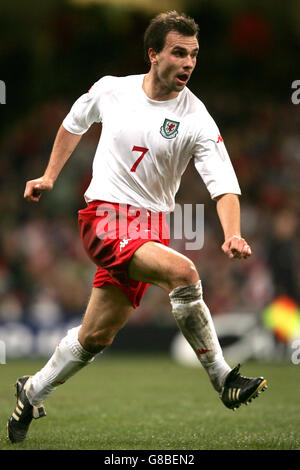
[[34, 189], [236, 247]]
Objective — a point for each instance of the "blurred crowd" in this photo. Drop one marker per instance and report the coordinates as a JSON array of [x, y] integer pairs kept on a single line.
[[45, 276]]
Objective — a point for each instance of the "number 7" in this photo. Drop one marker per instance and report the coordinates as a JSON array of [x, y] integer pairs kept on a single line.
[[138, 149]]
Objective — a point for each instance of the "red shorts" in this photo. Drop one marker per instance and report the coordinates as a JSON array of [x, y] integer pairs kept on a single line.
[[111, 233]]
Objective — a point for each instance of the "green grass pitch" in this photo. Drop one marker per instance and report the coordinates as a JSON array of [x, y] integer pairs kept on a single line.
[[134, 402]]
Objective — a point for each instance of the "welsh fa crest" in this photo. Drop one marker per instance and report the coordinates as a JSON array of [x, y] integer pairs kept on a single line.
[[169, 129]]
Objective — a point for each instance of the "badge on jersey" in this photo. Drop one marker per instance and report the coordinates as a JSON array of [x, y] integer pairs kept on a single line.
[[169, 129]]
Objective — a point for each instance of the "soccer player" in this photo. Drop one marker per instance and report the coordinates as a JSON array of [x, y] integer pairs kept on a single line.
[[153, 125]]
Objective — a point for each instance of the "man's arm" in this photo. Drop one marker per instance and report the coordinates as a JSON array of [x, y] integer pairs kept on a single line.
[[228, 209], [63, 147]]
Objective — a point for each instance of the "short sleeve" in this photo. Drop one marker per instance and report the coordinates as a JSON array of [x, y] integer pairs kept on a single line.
[[85, 111], [212, 161]]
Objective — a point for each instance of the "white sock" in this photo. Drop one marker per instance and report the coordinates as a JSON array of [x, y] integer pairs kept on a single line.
[[194, 320], [68, 358]]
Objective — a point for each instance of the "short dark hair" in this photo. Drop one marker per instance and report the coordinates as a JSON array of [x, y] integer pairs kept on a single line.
[[162, 24]]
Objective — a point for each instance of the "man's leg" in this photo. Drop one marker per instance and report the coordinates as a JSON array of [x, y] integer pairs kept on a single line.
[[175, 273], [107, 312]]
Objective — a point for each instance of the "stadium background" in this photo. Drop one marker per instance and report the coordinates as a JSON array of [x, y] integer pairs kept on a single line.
[[50, 53]]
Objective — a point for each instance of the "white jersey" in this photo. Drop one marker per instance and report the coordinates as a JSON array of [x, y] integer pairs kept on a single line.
[[146, 145]]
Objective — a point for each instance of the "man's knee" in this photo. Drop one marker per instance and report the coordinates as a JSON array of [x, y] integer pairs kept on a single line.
[[96, 341], [184, 275]]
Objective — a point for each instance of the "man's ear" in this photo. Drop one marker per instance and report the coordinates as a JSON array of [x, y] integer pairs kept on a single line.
[[152, 54]]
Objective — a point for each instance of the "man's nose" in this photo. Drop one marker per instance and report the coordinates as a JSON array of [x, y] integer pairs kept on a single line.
[[189, 62]]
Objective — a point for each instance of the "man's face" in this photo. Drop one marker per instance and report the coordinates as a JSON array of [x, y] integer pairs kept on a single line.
[[174, 64]]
